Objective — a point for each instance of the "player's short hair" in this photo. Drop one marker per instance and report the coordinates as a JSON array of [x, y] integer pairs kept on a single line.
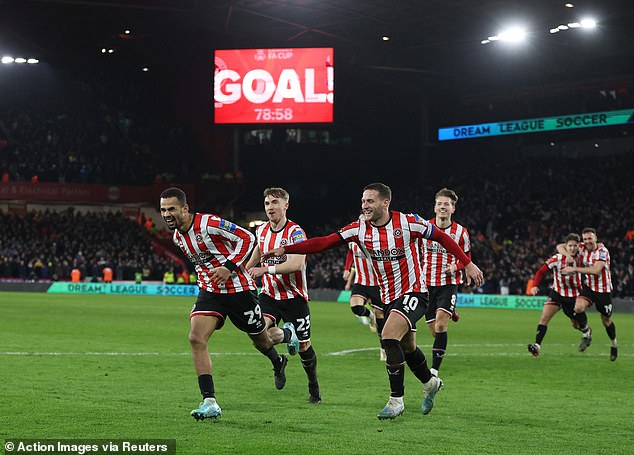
[[573, 236], [446, 192], [177, 193], [589, 229], [279, 193], [384, 191]]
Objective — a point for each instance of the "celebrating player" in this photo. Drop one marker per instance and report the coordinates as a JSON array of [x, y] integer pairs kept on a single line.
[[443, 273], [284, 289], [218, 249], [392, 240], [597, 286], [562, 295]]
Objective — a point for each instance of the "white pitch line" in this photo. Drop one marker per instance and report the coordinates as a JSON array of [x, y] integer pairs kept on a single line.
[[519, 353]]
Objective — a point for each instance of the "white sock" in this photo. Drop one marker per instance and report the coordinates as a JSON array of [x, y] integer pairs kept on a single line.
[[209, 401], [613, 343], [434, 372]]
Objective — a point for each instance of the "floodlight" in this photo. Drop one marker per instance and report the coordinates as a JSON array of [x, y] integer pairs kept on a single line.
[[20, 60], [513, 34], [588, 23], [32, 61], [6, 59]]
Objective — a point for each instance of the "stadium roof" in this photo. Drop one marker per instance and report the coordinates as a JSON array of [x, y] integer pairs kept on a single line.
[[435, 43]]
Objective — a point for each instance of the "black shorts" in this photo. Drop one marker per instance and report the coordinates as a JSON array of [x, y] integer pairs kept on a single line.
[[293, 310], [412, 306], [242, 308], [602, 300], [441, 298], [372, 293], [565, 303]]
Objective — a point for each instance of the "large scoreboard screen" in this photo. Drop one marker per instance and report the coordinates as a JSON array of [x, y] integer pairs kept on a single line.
[[254, 86]]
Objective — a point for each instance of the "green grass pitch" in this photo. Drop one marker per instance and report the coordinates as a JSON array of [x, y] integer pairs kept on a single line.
[[119, 367]]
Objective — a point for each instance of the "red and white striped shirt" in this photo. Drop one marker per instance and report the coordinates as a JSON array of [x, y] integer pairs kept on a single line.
[[598, 283], [395, 252], [363, 271], [437, 257], [564, 285], [282, 286], [212, 241]]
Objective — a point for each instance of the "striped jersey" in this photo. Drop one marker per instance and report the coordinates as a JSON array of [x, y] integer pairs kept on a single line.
[[282, 286], [209, 243], [598, 283], [564, 285], [363, 271], [395, 252], [436, 257]]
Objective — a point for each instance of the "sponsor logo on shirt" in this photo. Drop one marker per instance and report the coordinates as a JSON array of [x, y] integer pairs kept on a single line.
[[298, 236], [387, 254]]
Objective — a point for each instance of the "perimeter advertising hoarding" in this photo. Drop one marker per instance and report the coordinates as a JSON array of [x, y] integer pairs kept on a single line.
[[537, 125], [254, 86]]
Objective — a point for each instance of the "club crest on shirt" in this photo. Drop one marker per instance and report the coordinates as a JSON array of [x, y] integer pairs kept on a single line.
[[283, 242], [227, 225], [398, 233], [199, 238]]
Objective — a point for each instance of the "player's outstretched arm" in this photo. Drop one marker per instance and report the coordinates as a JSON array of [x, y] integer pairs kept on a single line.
[[595, 269], [314, 245]]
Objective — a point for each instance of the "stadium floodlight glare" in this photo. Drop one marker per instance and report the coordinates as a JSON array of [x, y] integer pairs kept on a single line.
[[588, 23], [110, 51], [513, 34], [104, 50], [485, 41], [569, 5], [574, 25], [145, 69], [20, 60], [385, 38], [32, 61], [127, 32], [6, 59], [554, 30]]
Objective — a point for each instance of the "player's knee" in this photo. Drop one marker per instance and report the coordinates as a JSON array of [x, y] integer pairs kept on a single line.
[[304, 346], [607, 320], [440, 326], [197, 340]]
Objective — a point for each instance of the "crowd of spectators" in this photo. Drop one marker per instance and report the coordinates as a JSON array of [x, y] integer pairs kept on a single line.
[[48, 245], [93, 129]]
